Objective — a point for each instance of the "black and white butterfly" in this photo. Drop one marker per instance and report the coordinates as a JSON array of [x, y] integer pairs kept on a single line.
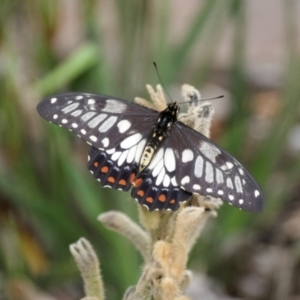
[[160, 158]]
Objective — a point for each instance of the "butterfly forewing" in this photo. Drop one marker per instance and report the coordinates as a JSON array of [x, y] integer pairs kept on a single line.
[[207, 169], [102, 121]]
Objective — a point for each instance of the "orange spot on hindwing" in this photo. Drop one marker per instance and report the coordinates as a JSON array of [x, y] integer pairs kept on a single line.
[[111, 179], [96, 164], [172, 201], [104, 169], [162, 198], [122, 182], [149, 199], [141, 193]]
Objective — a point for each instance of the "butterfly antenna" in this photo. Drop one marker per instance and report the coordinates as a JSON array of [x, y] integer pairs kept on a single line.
[[200, 100], [155, 66]]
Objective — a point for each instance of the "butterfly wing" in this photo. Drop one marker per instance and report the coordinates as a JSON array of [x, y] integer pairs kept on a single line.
[[157, 187], [102, 121], [117, 167], [116, 129], [187, 162], [207, 169]]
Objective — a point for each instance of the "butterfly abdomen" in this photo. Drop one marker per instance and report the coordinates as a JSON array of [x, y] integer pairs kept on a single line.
[[164, 123]]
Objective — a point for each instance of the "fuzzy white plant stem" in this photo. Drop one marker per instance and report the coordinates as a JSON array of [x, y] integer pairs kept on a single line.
[[88, 265], [122, 224], [165, 275]]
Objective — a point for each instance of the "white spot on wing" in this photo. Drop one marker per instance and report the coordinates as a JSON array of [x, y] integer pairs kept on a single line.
[[74, 125], [53, 100], [157, 157], [93, 138], [78, 97], [131, 141], [187, 155], [116, 155], [111, 151], [238, 184], [87, 116], [241, 171], [241, 201], [199, 166], [105, 142], [229, 183], [209, 190], [64, 121], [224, 167], [91, 102], [256, 193], [185, 180], [167, 181], [220, 192], [174, 181], [160, 177], [76, 113], [143, 204], [131, 154], [122, 158], [69, 108], [108, 124], [219, 176], [231, 197], [229, 164], [158, 168], [169, 158], [114, 106], [209, 172], [94, 122], [139, 150], [211, 152], [123, 126], [55, 116], [83, 131], [196, 187]]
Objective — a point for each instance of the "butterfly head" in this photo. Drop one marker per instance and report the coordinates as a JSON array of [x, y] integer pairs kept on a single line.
[[173, 110]]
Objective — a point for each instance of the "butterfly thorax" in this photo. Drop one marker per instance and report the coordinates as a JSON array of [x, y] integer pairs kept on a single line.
[[164, 123]]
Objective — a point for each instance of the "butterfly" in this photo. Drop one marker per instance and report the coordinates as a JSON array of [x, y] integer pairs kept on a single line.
[[162, 160]]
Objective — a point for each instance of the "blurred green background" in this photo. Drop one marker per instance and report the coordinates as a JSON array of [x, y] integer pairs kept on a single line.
[[49, 200]]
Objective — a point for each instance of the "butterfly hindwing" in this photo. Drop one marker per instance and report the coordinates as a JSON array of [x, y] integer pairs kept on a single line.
[[118, 169], [156, 187], [108, 172]]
